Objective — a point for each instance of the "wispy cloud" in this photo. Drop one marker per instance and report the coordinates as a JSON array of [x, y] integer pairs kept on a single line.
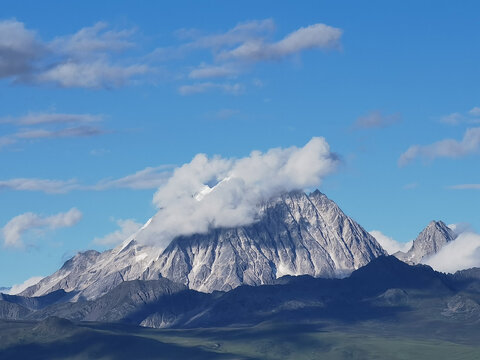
[[83, 59], [448, 148], [43, 185], [213, 71], [51, 125], [237, 50], [457, 118], [375, 119], [148, 178], [199, 88], [127, 227], [465, 187], [317, 36], [39, 118], [80, 131], [14, 230]]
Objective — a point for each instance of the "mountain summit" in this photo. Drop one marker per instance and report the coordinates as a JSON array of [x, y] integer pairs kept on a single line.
[[296, 234], [436, 235]]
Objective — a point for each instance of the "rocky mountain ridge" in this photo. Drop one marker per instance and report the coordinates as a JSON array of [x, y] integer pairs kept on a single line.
[[297, 234]]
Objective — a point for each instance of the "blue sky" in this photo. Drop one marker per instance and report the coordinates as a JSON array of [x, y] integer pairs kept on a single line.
[[92, 93]]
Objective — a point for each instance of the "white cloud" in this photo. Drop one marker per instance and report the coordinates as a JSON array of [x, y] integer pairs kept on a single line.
[[18, 288], [206, 86], [217, 71], [375, 119], [44, 185], [389, 244], [128, 227], [319, 36], [219, 192], [96, 74], [452, 119], [475, 111], [465, 187], [19, 48], [148, 178], [79, 60], [19, 225], [79, 131], [40, 118], [449, 148], [92, 40], [461, 253]]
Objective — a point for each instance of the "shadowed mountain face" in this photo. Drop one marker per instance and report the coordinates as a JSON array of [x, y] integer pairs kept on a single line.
[[296, 234], [428, 242], [384, 289]]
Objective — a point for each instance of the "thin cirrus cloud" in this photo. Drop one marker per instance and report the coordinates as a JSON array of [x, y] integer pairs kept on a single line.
[[199, 88], [457, 118], [376, 119], [465, 187], [50, 125], [148, 178], [83, 59], [33, 118], [14, 231], [239, 48], [447, 148]]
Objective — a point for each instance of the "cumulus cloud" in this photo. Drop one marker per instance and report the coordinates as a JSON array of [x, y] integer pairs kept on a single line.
[[128, 227], [390, 245], [206, 86], [375, 119], [19, 225], [449, 148], [79, 60], [461, 253], [219, 192], [18, 288]]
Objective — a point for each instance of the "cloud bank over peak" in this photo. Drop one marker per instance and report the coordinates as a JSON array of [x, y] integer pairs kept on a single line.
[[219, 192], [461, 253], [390, 245]]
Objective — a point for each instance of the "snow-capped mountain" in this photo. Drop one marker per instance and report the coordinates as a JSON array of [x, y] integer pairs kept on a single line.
[[296, 234], [428, 242]]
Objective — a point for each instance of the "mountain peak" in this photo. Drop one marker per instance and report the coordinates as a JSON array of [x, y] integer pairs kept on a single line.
[[436, 235]]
